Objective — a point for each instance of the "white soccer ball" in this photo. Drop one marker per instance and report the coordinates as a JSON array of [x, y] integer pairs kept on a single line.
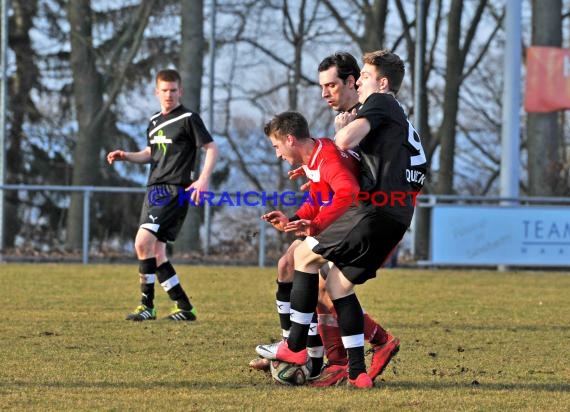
[[290, 374]]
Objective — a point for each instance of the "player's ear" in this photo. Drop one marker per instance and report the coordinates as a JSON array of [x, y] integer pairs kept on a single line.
[[351, 81], [291, 139]]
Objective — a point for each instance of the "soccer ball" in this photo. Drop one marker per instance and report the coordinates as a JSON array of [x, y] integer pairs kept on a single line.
[[290, 374]]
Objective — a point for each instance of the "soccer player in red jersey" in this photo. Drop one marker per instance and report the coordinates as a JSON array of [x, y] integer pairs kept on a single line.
[[360, 240]]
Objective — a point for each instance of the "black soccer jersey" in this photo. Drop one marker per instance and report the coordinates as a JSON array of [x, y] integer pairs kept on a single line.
[[392, 157], [174, 140]]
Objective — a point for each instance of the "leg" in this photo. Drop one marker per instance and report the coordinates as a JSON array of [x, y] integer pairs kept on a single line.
[[304, 297], [328, 325], [351, 322], [285, 272], [169, 281], [144, 246]]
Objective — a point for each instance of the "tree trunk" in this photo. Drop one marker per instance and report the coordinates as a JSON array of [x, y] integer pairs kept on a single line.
[[87, 93], [374, 24], [451, 100], [543, 130], [191, 71], [22, 82]]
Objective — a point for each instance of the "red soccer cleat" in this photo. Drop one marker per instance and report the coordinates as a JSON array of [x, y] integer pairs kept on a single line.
[[381, 356], [332, 375], [363, 381], [285, 354]]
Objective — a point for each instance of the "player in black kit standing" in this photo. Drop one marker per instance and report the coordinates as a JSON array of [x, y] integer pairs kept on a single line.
[[174, 136]]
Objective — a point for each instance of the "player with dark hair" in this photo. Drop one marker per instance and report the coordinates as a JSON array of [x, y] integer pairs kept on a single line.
[[337, 76], [393, 161], [174, 136]]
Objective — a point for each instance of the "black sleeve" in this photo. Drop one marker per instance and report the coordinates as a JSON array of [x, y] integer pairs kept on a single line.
[[376, 109], [199, 130]]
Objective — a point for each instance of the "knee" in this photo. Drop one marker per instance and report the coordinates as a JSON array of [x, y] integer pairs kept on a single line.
[[143, 248], [304, 259], [145, 244]]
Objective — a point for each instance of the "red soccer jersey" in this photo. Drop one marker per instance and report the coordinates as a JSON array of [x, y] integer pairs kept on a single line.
[[333, 185]]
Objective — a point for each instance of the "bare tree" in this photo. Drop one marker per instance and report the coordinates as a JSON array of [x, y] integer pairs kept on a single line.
[[22, 82], [89, 87], [192, 47]]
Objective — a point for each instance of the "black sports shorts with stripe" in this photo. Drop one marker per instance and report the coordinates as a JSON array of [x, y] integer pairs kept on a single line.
[[163, 211], [359, 242]]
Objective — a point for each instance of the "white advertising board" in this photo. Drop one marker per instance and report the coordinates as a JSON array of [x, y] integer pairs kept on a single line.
[[500, 235]]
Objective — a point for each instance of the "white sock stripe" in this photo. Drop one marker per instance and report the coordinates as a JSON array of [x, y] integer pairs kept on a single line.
[[301, 318], [148, 279], [316, 352], [353, 341], [313, 330], [283, 308], [285, 333], [170, 283]]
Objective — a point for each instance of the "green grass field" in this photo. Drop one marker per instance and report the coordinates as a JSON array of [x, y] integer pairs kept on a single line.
[[471, 340]]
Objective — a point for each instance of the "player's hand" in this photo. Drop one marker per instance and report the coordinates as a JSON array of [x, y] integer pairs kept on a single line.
[[277, 219], [343, 118], [301, 227], [297, 173], [115, 155], [198, 187]]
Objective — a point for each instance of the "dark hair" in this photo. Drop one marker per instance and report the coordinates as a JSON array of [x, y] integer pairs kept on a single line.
[[345, 64], [168, 75], [388, 65], [286, 123]]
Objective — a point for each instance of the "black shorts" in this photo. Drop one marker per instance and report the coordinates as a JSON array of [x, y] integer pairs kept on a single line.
[[163, 211], [359, 242]]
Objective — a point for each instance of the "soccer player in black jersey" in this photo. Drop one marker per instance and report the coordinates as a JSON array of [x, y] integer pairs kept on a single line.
[[393, 164], [338, 74], [174, 136]]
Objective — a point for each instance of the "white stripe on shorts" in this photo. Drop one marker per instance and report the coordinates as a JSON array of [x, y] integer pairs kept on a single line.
[[311, 242]]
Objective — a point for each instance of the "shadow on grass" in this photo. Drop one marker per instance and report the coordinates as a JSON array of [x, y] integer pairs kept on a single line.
[[394, 385], [462, 326]]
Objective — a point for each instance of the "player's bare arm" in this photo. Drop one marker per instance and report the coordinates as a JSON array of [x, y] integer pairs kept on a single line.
[[201, 184], [350, 136], [142, 156]]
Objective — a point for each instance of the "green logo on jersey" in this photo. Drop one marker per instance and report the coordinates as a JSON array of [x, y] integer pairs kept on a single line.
[[161, 140]]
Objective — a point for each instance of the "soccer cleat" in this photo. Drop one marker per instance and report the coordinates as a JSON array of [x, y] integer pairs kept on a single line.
[[381, 356], [142, 313], [284, 354], [362, 381], [260, 364], [280, 351], [332, 375], [268, 351], [179, 314]]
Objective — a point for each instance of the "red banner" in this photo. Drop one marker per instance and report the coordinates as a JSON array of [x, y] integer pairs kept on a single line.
[[547, 79]]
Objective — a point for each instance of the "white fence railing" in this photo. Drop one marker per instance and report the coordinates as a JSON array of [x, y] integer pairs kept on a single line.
[[469, 244]]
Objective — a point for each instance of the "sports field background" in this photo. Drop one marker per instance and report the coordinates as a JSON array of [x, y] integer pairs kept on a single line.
[[471, 340]]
